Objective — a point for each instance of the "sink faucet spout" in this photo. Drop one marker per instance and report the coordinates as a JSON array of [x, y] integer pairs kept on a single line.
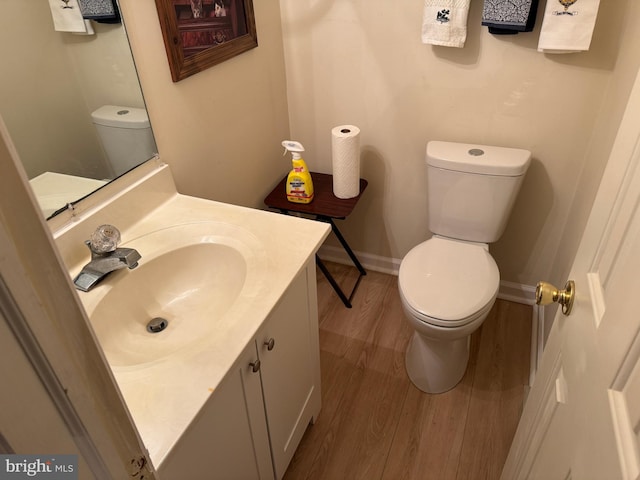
[[105, 260]]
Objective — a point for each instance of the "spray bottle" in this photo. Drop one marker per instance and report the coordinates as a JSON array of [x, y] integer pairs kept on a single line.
[[299, 184]]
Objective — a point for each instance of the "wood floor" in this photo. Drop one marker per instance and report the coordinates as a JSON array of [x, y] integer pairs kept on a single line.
[[374, 424]]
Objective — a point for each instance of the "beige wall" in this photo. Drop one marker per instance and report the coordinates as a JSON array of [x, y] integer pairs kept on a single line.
[[51, 83], [601, 138], [219, 130], [38, 97], [103, 66], [363, 63]]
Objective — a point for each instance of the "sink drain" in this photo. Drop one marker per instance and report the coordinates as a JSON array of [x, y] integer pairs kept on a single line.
[[156, 325]]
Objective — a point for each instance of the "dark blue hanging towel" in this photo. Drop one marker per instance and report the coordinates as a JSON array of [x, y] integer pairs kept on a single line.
[[508, 17], [101, 11]]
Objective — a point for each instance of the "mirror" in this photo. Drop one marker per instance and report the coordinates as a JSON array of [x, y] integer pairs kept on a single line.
[[67, 99]]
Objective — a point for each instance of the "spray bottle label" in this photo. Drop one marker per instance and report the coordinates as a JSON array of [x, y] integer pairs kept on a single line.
[[297, 191], [299, 182]]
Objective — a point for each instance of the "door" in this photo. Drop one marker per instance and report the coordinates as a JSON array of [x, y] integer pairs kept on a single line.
[[288, 346], [38, 302], [582, 418]]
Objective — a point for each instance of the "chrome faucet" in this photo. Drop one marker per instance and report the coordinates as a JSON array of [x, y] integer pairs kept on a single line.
[[105, 257]]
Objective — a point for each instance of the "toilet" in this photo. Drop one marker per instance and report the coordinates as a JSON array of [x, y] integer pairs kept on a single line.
[[126, 136], [449, 283]]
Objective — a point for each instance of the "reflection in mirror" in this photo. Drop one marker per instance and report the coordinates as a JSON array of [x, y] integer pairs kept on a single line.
[[72, 103]]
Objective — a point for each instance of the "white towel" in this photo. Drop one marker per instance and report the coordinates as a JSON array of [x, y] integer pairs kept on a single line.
[[444, 22], [568, 29], [67, 16]]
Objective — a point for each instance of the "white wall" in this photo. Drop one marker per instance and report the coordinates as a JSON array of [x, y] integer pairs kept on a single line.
[[363, 63]]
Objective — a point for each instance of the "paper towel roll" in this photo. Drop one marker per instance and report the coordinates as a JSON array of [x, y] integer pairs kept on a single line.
[[345, 154]]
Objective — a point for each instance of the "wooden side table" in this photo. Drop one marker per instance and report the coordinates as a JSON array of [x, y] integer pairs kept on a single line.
[[325, 207]]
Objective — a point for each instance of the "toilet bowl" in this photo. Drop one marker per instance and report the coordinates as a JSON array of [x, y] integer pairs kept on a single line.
[[447, 288], [449, 283]]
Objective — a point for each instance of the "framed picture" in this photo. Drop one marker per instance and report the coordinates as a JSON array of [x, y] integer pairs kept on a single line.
[[201, 33]]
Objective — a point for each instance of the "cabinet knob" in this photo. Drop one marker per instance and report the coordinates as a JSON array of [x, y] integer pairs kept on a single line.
[[270, 344], [255, 366]]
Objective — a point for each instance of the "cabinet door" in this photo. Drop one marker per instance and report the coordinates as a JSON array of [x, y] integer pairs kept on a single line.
[[228, 439], [290, 369]]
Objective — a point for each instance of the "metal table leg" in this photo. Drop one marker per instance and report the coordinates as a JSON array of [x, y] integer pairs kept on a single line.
[[332, 281], [334, 228], [346, 247], [352, 256]]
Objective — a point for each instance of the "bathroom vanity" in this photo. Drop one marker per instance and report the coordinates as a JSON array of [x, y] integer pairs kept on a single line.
[[254, 420], [228, 388]]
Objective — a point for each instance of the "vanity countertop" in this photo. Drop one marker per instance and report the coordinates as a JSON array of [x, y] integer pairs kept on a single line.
[[165, 395], [55, 190]]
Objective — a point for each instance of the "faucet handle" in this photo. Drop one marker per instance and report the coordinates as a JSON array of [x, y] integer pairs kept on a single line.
[[105, 239]]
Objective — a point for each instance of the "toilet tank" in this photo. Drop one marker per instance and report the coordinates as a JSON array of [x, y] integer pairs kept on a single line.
[[126, 136], [472, 188]]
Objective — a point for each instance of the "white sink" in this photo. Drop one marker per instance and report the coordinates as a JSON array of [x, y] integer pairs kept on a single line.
[[189, 278]]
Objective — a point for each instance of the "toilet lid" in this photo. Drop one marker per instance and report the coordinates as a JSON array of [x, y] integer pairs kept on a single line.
[[448, 281]]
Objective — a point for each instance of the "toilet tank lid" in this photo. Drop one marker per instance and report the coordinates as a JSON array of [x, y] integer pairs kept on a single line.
[[480, 159], [122, 117]]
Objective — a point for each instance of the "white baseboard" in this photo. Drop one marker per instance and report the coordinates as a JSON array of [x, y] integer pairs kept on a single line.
[[369, 261], [537, 340], [517, 292]]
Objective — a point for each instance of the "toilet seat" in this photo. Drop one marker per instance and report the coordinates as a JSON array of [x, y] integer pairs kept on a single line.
[[447, 282]]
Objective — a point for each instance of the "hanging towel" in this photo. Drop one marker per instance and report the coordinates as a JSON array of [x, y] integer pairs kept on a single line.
[[444, 22], [567, 26], [508, 17], [88, 29], [103, 11], [67, 16]]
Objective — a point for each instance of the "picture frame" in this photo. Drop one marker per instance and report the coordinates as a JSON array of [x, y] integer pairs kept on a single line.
[[199, 34]]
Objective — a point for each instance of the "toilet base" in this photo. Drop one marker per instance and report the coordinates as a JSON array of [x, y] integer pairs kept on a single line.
[[436, 366]]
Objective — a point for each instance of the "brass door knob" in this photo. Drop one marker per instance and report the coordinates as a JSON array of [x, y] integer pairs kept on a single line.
[[547, 293]]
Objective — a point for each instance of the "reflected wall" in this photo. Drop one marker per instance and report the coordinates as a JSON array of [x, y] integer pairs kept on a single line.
[[51, 83]]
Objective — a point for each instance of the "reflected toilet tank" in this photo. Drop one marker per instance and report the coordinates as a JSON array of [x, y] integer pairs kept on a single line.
[[126, 136]]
